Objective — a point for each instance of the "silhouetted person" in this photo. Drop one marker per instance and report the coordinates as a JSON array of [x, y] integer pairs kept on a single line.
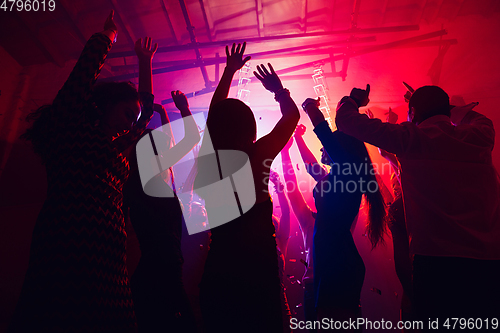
[[240, 288], [339, 270], [397, 224], [161, 303], [77, 277], [451, 198], [282, 227], [305, 215]]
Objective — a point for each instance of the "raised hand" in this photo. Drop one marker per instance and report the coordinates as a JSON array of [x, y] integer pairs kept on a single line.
[[109, 24], [392, 117], [311, 108], [361, 96], [300, 130], [235, 60], [369, 113], [144, 51], [312, 101], [409, 92], [180, 100], [269, 79]]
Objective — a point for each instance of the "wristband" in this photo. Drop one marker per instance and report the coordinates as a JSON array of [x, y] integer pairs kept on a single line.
[[280, 93]]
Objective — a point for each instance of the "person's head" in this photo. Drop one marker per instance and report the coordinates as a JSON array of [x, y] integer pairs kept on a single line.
[[231, 125], [325, 158], [118, 105], [426, 102], [198, 214]]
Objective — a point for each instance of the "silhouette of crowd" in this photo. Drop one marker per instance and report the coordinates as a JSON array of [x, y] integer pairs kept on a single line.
[[443, 213]]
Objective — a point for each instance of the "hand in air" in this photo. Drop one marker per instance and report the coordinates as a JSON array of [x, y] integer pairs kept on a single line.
[[392, 117], [269, 79], [300, 130], [235, 60], [145, 51], [369, 113], [180, 100], [109, 24], [361, 96], [409, 92], [311, 101]]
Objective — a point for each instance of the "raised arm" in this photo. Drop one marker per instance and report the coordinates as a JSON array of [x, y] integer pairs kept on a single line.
[[299, 204], [165, 122], [271, 144], [312, 166], [391, 137], [234, 62], [75, 93], [283, 233], [330, 141], [191, 133], [145, 52]]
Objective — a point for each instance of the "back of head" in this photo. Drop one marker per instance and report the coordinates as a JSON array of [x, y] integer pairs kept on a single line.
[[107, 94], [231, 125], [429, 101]]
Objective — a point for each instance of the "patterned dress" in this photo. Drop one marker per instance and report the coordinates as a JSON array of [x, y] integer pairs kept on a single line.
[[77, 279]]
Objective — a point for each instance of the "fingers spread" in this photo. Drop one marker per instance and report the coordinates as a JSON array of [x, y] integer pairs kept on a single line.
[[265, 70], [227, 51], [261, 72], [271, 68], [243, 47], [233, 48], [258, 76]]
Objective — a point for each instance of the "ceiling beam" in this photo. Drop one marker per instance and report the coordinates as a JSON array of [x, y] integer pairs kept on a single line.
[[383, 10], [395, 44], [71, 20], [194, 42], [303, 15], [270, 38], [187, 64], [205, 19], [260, 17], [169, 22]]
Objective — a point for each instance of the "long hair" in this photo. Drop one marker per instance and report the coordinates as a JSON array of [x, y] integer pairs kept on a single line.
[[103, 96], [375, 205], [230, 125]]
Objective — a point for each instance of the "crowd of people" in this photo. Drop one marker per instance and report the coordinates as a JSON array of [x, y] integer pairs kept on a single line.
[[444, 214]]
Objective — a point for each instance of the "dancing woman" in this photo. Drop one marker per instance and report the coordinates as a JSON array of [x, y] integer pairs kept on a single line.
[[338, 268], [240, 288]]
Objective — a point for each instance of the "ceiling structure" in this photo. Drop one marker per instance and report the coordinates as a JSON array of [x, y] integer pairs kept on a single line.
[[192, 33]]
